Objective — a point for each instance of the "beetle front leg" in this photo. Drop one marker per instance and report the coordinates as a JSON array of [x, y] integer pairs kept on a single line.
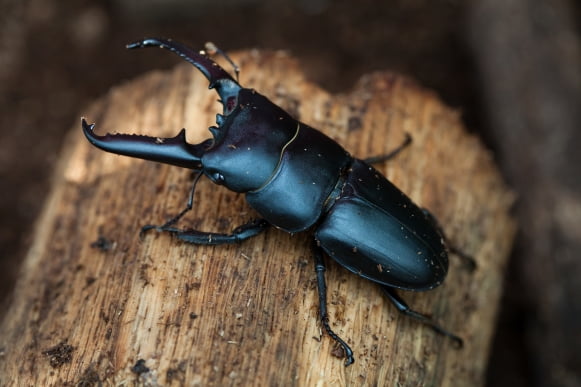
[[403, 307], [239, 234], [322, 290], [174, 220]]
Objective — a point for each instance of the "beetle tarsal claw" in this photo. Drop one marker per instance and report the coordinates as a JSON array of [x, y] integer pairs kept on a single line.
[[458, 342], [145, 229]]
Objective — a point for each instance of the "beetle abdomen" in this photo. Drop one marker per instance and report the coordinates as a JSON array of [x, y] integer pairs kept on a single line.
[[310, 165], [388, 241]]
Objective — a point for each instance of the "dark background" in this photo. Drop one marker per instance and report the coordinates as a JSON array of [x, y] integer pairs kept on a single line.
[[513, 69]]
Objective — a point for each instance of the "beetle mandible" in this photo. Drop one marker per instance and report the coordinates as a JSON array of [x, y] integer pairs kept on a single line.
[[358, 217]]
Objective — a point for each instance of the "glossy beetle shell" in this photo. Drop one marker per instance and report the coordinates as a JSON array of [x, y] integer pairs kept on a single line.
[[377, 232]]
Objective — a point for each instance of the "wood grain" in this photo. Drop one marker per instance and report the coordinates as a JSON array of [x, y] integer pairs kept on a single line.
[[86, 312]]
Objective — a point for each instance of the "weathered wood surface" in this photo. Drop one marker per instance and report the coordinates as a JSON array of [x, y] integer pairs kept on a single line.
[[247, 314]]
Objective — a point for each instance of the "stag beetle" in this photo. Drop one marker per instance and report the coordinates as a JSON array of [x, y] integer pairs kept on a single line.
[[297, 179]]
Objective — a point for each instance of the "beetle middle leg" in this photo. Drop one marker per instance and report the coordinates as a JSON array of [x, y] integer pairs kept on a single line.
[[322, 290], [403, 307], [392, 154]]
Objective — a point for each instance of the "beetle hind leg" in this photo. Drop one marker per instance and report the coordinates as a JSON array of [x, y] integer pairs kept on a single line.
[[403, 307], [322, 291], [467, 259]]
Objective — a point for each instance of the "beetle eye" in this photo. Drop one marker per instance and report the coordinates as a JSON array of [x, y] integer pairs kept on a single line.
[[217, 178]]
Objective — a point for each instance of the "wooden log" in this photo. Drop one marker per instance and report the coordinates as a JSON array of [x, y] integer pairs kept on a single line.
[[95, 303]]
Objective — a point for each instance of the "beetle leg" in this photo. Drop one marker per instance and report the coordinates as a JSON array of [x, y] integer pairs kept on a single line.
[[239, 234], [468, 260], [402, 307], [188, 207], [322, 289], [392, 154]]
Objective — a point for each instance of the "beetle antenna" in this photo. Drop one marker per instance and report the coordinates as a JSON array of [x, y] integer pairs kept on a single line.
[[219, 78], [211, 49]]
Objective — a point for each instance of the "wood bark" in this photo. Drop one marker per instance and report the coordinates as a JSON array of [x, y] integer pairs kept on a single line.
[[97, 303]]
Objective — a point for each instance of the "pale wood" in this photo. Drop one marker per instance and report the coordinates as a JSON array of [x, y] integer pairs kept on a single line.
[[247, 314]]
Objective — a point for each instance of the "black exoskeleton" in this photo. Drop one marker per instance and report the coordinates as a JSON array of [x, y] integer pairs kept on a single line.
[[297, 179]]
